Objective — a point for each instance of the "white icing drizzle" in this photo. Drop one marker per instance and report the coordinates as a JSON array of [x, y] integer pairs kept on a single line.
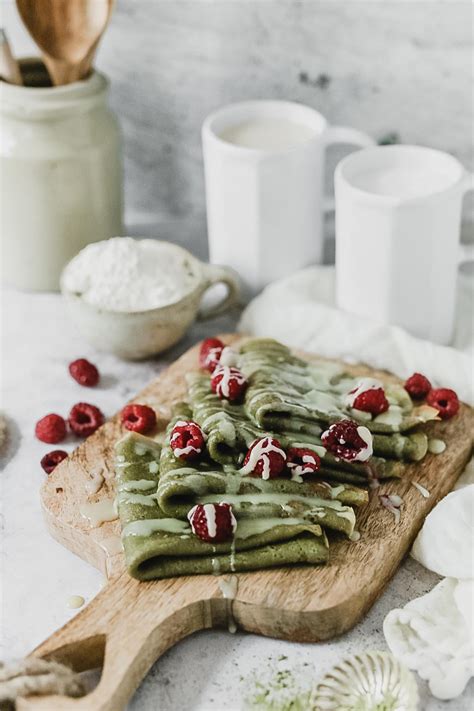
[[354, 536], [393, 416], [153, 467], [210, 516], [95, 483], [261, 449], [363, 385], [137, 485], [75, 601], [99, 512], [189, 449], [318, 448], [228, 589], [255, 526], [112, 545], [423, 491], [281, 500], [228, 373], [146, 527], [228, 357], [436, 446], [143, 499], [367, 452], [298, 470]]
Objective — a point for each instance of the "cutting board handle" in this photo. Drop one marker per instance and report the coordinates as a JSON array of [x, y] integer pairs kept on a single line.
[[125, 629]]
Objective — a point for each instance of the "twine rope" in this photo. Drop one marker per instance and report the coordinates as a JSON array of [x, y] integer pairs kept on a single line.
[[31, 676]]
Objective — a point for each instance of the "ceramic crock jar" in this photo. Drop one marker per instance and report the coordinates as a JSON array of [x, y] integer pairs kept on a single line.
[[61, 174]]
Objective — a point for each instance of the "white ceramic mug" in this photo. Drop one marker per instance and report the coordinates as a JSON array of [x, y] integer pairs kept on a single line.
[[265, 205], [398, 213]]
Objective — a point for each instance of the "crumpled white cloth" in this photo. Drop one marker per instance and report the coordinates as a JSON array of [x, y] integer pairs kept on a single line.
[[433, 636], [299, 311], [444, 544]]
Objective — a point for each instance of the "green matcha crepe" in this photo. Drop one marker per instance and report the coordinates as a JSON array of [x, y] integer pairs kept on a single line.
[[282, 520], [158, 545], [286, 393]]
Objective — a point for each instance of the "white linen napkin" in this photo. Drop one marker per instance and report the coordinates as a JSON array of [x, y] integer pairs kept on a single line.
[[299, 311]]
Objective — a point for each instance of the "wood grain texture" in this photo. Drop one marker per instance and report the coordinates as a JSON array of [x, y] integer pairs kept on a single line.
[[305, 604]]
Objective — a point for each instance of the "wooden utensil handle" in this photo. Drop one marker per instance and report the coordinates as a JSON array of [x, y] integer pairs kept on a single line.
[[125, 628]]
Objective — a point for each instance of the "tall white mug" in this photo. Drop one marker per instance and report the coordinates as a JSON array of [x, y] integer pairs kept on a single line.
[[398, 213], [264, 171]]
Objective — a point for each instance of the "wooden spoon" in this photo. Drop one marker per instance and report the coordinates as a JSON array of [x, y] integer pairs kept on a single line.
[[67, 32]]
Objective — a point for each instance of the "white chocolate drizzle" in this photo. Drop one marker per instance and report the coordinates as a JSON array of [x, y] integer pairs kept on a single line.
[[94, 484], [367, 452], [146, 527], [436, 446], [228, 589], [363, 385], [423, 491], [75, 601], [261, 449], [99, 512]]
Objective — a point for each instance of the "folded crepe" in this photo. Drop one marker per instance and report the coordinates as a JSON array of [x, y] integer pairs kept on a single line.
[[230, 433], [158, 544], [300, 399], [280, 521]]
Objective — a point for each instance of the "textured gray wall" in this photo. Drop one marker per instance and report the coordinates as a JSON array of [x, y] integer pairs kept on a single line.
[[378, 66]]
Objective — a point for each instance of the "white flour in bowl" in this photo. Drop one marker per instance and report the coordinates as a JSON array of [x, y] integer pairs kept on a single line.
[[128, 275]]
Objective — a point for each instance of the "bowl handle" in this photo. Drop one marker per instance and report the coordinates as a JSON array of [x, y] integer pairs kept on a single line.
[[214, 274]]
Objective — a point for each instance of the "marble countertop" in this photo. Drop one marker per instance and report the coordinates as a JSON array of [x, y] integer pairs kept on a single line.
[[210, 670]]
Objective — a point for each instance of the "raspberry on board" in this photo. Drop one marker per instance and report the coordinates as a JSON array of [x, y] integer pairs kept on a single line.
[[138, 418], [210, 353], [417, 386], [51, 460], [51, 429], [349, 441], [445, 401], [265, 458], [228, 383], [301, 461], [214, 523], [187, 440]]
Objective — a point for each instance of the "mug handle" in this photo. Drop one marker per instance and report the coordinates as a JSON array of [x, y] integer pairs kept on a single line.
[[214, 274], [351, 136], [466, 251]]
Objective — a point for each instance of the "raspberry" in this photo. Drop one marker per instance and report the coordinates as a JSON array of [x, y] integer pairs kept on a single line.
[[213, 523], [84, 373], [349, 441], [51, 460], [51, 429], [265, 458], [228, 383], [85, 419], [187, 440], [138, 418], [368, 396], [445, 401], [417, 386], [210, 353], [301, 460], [373, 401]]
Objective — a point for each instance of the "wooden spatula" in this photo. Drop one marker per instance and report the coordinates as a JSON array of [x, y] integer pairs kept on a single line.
[[67, 32]]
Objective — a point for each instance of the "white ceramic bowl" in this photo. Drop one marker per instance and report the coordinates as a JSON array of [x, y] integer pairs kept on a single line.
[[140, 334]]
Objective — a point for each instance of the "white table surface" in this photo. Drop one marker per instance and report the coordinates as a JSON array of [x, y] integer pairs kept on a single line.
[[210, 670]]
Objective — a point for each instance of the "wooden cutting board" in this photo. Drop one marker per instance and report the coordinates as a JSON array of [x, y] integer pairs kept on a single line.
[[130, 624]]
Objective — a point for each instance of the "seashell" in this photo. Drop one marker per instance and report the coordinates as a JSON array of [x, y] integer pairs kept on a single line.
[[369, 681]]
